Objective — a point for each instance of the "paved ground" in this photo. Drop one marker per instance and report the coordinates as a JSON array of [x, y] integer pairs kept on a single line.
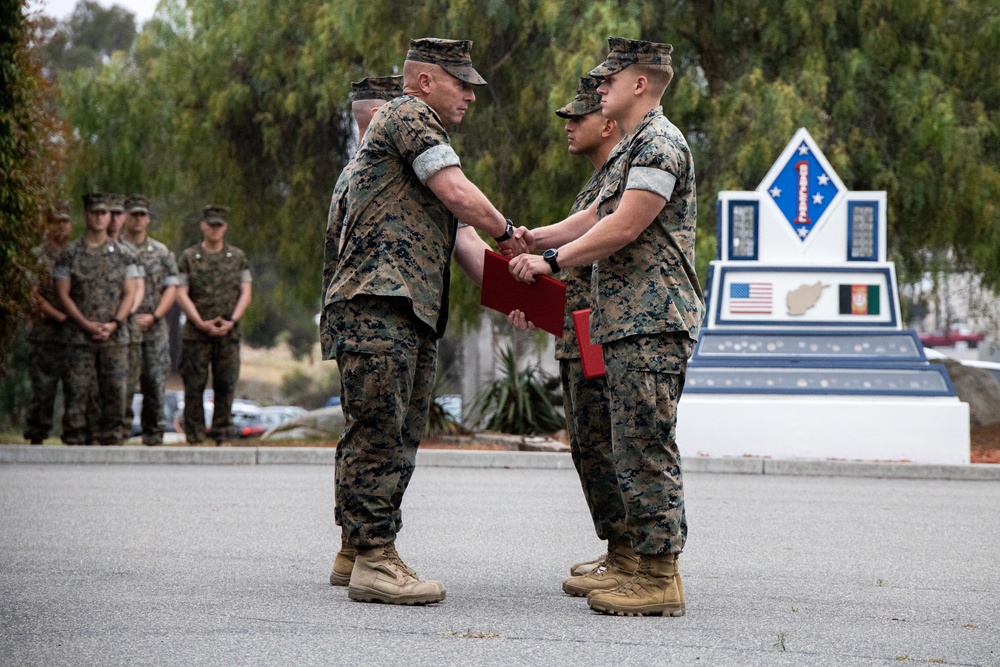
[[227, 565]]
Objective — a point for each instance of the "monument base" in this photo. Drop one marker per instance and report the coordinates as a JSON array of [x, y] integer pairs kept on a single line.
[[862, 428]]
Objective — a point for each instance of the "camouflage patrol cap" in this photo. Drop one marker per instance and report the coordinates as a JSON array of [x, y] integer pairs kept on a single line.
[[115, 202], [377, 88], [137, 204], [215, 215], [624, 52], [587, 99], [59, 212], [453, 55], [95, 201]]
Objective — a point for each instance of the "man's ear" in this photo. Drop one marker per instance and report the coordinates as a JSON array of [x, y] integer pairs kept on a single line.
[[610, 127], [424, 81], [371, 114], [641, 85]]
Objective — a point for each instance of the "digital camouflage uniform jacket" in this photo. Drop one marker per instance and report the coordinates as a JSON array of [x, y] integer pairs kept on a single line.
[[97, 285], [579, 278], [650, 286], [398, 235], [44, 329], [161, 272], [213, 280]]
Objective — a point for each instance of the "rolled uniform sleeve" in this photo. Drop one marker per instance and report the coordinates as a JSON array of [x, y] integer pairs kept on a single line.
[[656, 168], [423, 142], [434, 160]]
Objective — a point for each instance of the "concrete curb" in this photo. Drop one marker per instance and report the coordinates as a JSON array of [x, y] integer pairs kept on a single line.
[[452, 458]]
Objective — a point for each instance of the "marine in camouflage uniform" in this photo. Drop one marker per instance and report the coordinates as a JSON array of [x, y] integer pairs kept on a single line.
[[648, 308], [116, 205], [47, 351], [95, 281], [366, 95], [588, 419], [149, 373], [387, 302], [215, 289]]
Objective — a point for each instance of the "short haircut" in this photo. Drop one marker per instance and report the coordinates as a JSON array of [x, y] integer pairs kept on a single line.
[[362, 109], [659, 76]]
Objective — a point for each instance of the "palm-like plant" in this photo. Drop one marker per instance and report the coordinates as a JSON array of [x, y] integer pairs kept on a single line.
[[516, 402]]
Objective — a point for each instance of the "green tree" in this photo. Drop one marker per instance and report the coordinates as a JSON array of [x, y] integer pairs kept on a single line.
[[245, 103], [89, 36], [30, 155]]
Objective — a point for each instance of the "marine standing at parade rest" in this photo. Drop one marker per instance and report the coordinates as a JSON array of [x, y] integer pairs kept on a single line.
[[149, 373], [647, 313], [46, 348], [116, 206], [214, 291], [96, 281], [388, 303], [588, 419]]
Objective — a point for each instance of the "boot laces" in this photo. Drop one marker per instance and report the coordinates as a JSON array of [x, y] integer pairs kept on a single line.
[[393, 556]]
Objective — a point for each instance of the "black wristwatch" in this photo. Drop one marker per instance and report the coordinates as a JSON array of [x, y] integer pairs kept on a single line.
[[507, 233], [550, 256], [118, 322]]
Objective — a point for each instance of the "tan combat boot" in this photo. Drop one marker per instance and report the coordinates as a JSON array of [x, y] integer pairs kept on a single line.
[[618, 567], [654, 590], [587, 566], [343, 563], [380, 575]]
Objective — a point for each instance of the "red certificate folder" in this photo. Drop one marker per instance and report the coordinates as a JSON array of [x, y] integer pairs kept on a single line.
[[542, 301], [591, 355]]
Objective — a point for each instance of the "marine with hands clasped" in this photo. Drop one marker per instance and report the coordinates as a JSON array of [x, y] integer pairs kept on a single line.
[[387, 304], [215, 289], [96, 284], [150, 362], [647, 311], [46, 347]]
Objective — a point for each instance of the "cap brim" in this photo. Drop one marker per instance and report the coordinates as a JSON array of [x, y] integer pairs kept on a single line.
[[116, 209], [139, 209], [467, 74], [215, 221], [576, 109], [607, 68], [99, 208]]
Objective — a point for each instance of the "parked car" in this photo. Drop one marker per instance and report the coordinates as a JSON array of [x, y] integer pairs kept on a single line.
[[254, 422], [173, 406]]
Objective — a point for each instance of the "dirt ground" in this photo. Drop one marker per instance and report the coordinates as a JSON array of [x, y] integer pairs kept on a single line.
[[986, 444]]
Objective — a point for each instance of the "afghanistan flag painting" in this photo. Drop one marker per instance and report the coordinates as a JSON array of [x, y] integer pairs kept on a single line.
[[859, 299]]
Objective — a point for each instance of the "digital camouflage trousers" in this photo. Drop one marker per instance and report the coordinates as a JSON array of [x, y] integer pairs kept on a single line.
[[387, 360], [588, 422], [645, 377]]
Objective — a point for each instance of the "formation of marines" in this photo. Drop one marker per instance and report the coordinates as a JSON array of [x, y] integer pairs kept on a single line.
[[401, 211], [100, 325]]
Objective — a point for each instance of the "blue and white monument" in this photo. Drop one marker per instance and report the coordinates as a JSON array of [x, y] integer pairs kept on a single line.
[[803, 354]]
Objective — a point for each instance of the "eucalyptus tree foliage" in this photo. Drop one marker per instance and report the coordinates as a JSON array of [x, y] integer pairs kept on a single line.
[[245, 103]]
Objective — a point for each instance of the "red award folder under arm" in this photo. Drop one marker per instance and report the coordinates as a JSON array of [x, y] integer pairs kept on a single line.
[[591, 355], [542, 301]]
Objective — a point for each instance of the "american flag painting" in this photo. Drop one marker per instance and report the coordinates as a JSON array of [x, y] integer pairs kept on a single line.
[[750, 298]]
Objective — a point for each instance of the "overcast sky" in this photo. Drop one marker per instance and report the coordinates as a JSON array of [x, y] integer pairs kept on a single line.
[[60, 9]]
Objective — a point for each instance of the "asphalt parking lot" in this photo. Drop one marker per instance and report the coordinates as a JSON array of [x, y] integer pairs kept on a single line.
[[227, 565]]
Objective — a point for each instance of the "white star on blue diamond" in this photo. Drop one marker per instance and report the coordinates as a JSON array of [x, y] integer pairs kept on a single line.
[[803, 232], [775, 192], [823, 179], [803, 150], [817, 199]]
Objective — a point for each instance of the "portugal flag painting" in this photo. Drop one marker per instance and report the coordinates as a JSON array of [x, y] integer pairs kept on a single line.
[[859, 300]]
